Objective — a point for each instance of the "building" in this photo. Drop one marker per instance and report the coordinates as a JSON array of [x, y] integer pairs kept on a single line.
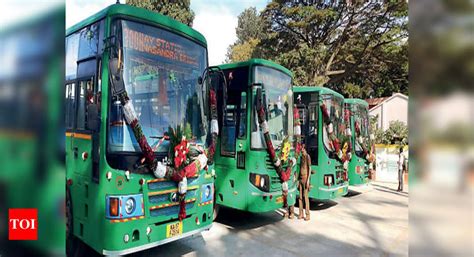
[[389, 109]]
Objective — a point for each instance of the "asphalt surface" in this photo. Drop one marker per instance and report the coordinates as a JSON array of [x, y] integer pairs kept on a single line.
[[370, 221]]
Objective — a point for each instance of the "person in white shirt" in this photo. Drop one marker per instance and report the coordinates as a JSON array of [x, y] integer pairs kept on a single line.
[[401, 161]]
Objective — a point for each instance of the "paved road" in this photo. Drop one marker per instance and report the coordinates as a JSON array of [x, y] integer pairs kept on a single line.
[[372, 221]]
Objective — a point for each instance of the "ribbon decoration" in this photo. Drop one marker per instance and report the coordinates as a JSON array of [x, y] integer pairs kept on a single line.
[[214, 125], [277, 163]]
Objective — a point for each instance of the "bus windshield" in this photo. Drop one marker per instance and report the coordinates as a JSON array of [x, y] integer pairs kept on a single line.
[[160, 71], [334, 106], [279, 100]]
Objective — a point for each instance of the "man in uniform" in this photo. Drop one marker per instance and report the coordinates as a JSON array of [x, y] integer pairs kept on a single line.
[[303, 183]]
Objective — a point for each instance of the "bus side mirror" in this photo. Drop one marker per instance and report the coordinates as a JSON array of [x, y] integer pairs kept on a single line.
[[115, 74], [93, 119]]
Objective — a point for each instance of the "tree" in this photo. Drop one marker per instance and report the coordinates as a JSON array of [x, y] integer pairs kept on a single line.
[[250, 26], [250, 31], [354, 47], [243, 51], [397, 133], [179, 10]]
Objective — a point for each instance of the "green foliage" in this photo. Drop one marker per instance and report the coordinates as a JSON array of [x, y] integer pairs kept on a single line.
[[179, 10], [250, 31], [242, 52], [397, 133], [250, 26], [359, 49]]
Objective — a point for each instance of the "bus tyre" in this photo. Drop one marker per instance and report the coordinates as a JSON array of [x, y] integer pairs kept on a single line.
[[73, 244]]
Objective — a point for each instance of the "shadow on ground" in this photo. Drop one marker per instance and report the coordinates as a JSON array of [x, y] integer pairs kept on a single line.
[[246, 220], [318, 205], [352, 193], [389, 190]]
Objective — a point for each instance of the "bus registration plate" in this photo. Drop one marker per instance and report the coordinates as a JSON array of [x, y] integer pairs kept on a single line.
[[340, 190], [174, 229]]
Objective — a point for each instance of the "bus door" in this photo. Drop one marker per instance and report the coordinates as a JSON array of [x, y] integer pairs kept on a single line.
[[312, 133]]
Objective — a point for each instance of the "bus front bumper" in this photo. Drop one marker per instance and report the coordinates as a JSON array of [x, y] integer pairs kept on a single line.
[[154, 244], [265, 202], [327, 193]]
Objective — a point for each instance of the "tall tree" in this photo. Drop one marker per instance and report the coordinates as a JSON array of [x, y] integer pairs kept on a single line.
[[356, 47], [179, 10], [250, 31]]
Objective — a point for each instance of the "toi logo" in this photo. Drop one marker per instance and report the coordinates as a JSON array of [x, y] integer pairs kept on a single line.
[[22, 224]]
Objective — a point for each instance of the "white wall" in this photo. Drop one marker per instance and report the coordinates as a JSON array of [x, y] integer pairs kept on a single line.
[[392, 109]]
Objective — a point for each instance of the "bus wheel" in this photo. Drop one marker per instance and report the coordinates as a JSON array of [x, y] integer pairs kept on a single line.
[[73, 244]]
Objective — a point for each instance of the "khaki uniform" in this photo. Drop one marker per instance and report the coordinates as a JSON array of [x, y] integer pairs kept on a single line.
[[303, 184]]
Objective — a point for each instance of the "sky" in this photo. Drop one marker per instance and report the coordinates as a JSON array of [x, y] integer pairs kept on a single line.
[[215, 19]]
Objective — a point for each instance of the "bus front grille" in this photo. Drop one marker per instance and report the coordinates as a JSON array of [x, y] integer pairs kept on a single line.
[[275, 184], [170, 210], [163, 197]]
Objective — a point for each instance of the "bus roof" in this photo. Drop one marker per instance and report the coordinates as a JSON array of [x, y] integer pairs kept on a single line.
[[356, 101], [143, 14], [254, 61], [305, 89]]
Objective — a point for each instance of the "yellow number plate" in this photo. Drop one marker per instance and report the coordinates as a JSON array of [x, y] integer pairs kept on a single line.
[[174, 229], [340, 190], [279, 199]]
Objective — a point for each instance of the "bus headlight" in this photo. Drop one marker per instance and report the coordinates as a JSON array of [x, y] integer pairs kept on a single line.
[[262, 182], [124, 206], [130, 205], [207, 192]]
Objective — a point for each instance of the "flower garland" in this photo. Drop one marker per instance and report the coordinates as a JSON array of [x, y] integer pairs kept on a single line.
[[132, 119], [297, 131], [187, 159], [277, 163], [368, 153]]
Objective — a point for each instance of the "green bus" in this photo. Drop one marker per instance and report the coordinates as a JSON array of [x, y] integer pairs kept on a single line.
[[362, 152], [246, 175], [135, 115], [31, 152], [323, 131]]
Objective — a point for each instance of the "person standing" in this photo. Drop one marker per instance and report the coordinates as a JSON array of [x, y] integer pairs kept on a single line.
[[303, 184], [401, 162]]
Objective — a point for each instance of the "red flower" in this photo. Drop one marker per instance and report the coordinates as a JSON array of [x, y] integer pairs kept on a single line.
[[180, 153], [212, 98], [296, 116]]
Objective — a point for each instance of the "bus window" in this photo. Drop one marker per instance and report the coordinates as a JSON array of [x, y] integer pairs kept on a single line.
[[234, 113], [243, 115], [70, 104], [228, 131], [86, 97]]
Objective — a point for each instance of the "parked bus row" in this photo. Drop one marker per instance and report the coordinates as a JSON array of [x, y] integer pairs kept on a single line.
[[156, 140]]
